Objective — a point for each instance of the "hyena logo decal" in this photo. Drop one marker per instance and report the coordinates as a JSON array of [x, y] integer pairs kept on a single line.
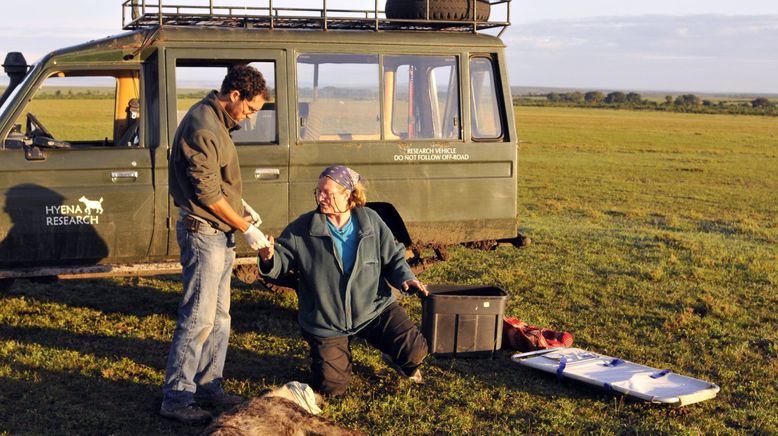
[[90, 205]]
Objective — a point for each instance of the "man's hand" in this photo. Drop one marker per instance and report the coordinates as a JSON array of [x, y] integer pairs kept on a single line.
[[414, 285], [251, 215], [256, 239], [226, 213], [266, 253]]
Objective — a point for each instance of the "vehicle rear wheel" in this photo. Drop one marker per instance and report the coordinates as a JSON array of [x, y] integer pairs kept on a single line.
[[449, 10], [44, 280], [5, 284], [248, 274]]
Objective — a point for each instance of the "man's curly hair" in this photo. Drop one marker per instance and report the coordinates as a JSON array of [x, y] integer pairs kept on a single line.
[[247, 80]]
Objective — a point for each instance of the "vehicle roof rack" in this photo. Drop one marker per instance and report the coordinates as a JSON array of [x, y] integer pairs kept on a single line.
[[268, 14]]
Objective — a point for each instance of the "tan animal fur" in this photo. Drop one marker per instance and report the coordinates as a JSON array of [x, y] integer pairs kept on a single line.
[[275, 413]]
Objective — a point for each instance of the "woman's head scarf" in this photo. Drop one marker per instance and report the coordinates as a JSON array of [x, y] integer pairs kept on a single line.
[[343, 176]]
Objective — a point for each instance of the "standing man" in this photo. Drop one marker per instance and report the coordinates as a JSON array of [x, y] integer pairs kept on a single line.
[[204, 180]]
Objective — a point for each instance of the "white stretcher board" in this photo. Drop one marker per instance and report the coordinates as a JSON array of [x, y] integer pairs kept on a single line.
[[622, 376]]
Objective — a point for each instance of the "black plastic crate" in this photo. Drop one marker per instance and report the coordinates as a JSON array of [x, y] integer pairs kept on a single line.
[[463, 321]]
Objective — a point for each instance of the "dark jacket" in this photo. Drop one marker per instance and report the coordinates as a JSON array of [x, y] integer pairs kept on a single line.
[[203, 165], [332, 303]]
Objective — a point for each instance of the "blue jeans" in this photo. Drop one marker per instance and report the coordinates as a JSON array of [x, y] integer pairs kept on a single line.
[[199, 347]]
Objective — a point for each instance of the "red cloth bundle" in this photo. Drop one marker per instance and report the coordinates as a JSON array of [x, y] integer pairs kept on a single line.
[[521, 336]]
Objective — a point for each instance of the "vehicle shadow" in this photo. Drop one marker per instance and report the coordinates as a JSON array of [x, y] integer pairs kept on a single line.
[[45, 231], [73, 402], [150, 353], [37, 317], [109, 383], [251, 311]]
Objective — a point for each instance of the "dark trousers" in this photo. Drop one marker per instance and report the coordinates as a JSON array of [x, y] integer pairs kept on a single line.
[[392, 332]]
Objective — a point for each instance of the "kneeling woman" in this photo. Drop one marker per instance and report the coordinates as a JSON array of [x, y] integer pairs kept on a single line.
[[344, 255]]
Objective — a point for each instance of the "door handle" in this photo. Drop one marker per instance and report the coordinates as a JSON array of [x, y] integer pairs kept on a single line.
[[267, 173], [124, 176]]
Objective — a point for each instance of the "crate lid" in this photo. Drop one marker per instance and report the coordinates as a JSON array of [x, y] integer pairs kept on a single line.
[[466, 291]]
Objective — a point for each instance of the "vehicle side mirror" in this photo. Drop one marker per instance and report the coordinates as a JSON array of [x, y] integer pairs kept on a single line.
[[47, 142], [32, 152], [15, 139]]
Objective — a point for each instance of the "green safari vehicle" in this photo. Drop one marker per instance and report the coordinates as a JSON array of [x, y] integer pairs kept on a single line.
[[417, 101]]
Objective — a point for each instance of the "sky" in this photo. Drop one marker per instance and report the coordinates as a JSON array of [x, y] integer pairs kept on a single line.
[[703, 46]]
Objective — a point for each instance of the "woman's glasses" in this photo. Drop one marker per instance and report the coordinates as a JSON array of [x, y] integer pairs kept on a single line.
[[323, 195], [331, 199]]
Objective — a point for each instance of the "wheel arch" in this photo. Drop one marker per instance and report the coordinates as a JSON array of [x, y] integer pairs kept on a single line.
[[393, 220]]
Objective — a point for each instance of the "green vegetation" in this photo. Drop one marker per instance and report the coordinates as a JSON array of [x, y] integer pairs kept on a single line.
[[655, 239], [73, 118], [687, 103], [75, 92]]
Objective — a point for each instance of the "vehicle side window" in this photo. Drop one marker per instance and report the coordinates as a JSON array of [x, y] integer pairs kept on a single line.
[[83, 108], [486, 120], [422, 97], [194, 81], [338, 97]]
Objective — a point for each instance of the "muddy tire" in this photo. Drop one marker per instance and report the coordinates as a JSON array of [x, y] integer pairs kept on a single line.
[[5, 285], [486, 245], [448, 10], [248, 273], [278, 286]]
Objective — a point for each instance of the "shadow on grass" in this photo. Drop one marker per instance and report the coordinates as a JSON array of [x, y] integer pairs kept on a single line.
[[40, 400], [50, 401], [240, 364], [257, 313], [260, 314], [103, 295], [501, 371], [62, 402], [147, 352]]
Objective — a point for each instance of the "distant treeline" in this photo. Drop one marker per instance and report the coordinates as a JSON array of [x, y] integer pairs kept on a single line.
[[76, 93], [633, 100], [591, 99], [105, 93]]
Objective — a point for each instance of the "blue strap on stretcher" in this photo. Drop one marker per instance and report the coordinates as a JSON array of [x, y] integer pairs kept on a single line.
[[614, 362], [561, 368], [661, 373]]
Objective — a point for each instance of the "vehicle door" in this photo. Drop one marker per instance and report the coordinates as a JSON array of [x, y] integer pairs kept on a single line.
[[398, 118], [262, 141], [81, 191]]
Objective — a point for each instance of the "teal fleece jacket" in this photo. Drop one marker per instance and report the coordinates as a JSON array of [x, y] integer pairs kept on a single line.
[[332, 303]]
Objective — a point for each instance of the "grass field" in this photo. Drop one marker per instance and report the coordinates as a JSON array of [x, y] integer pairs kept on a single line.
[[655, 239]]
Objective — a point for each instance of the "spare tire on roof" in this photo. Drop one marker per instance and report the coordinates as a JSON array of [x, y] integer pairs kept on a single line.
[[447, 10]]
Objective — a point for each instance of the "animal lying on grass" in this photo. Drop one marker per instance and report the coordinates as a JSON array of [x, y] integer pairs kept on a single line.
[[283, 412]]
